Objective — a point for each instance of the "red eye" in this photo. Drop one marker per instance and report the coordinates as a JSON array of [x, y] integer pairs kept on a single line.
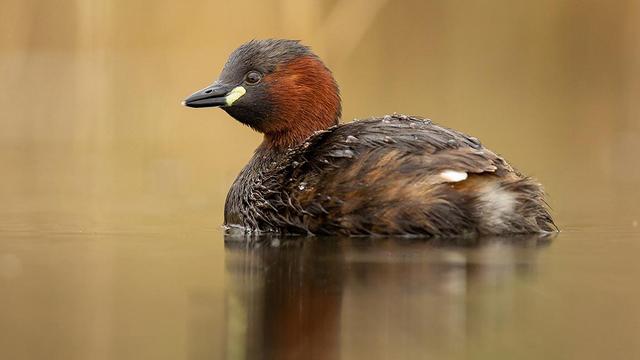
[[253, 77]]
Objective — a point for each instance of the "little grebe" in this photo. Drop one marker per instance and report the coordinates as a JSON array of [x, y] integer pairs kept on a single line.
[[395, 174]]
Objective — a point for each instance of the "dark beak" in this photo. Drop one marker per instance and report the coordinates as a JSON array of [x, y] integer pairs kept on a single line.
[[212, 96]]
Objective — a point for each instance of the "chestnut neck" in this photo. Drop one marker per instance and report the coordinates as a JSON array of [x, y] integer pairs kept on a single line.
[[306, 99]]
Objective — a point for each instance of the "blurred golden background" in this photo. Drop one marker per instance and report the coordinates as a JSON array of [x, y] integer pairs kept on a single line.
[[113, 193], [94, 137]]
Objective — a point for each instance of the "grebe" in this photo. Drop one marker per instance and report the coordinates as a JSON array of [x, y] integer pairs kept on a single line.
[[390, 175]]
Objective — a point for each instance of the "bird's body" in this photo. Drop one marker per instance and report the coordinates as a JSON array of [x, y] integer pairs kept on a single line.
[[394, 175], [389, 175]]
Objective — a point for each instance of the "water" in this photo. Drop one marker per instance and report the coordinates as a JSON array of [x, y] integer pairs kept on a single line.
[[112, 193], [174, 295]]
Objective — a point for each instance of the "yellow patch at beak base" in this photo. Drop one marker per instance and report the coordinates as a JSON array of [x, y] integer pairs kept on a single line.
[[234, 95]]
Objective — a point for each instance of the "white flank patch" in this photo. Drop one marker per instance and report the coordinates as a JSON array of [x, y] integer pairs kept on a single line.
[[497, 205], [234, 95], [453, 176]]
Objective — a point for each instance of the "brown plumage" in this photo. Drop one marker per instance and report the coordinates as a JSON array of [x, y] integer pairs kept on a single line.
[[391, 175]]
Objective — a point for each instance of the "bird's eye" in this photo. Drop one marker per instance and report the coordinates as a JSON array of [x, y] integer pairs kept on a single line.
[[253, 77]]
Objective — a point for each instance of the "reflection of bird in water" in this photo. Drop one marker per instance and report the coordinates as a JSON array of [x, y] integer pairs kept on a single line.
[[292, 296], [390, 175], [318, 299]]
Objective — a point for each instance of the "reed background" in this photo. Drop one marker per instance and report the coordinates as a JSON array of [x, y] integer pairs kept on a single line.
[[93, 134]]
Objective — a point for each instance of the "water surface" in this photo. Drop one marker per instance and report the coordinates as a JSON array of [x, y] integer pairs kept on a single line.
[[174, 295]]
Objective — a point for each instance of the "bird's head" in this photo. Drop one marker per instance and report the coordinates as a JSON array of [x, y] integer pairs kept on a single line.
[[278, 87]]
